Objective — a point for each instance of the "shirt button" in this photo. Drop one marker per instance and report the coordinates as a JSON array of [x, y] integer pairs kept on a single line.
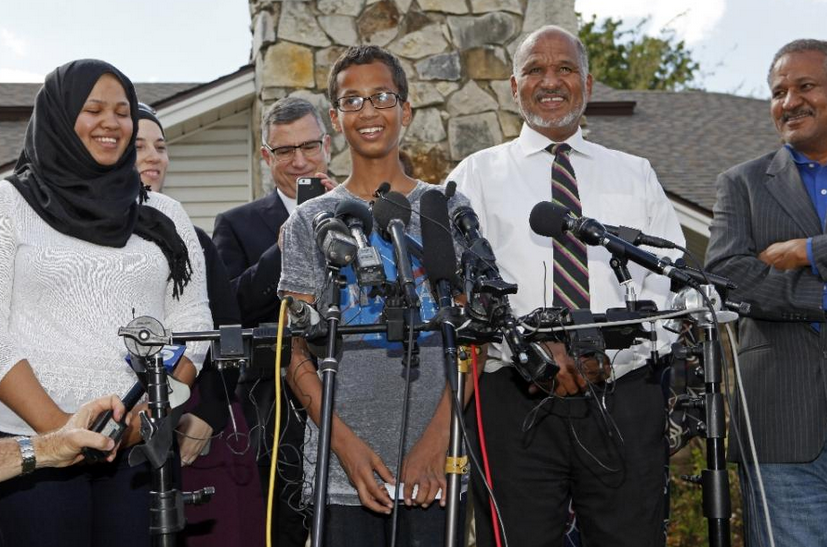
[[824, 192], [812, 165]]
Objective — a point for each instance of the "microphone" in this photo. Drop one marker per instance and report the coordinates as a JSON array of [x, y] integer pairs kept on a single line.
[[369, 269], [334, 240], [392, 213], [450, 189], [107, 426], [636, 237], [302, 314], [438, 255], [550, 220], [487, 294], [382, 189], [480, 253]]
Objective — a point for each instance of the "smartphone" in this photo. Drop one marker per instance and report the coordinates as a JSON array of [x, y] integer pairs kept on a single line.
[[308, 188]]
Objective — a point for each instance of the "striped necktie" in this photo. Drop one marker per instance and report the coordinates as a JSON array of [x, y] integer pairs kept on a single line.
[[571, 267]]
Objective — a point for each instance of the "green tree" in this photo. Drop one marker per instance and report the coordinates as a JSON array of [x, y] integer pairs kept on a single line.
[[626, 58]]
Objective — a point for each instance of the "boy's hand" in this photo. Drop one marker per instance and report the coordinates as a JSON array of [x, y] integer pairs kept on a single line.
[[425, 465], [360, 463]]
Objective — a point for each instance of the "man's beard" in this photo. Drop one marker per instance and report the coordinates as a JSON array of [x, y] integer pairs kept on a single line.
[[536, 120]]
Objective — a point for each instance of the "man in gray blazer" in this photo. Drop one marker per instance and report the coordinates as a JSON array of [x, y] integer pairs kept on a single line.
[[768, 233]]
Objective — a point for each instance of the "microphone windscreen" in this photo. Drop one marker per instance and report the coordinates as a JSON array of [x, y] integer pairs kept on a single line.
[[548, 219], [390, 206], [356, 210], [326, 225], [438, 254]]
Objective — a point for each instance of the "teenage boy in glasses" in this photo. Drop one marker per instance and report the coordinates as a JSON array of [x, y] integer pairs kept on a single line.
[[294, 145], [369, 95]]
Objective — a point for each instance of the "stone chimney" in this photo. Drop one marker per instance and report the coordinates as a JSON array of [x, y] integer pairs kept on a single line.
[[456, 53]]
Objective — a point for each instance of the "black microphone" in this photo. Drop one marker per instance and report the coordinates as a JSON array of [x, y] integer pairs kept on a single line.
[[479, 254], [450, 189], [106, 425], [440, 262], [636, 237], [438, 255], [392, 213], [550, 220], [382, 190], [369, 269], [302, 314], [334, 240]]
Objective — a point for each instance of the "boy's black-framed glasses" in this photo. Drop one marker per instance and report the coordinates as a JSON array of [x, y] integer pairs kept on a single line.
[[354, 103], [286, 153]]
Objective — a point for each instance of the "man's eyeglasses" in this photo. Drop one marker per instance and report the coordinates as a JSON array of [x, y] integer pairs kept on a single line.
[[284, 154], [385, 99]]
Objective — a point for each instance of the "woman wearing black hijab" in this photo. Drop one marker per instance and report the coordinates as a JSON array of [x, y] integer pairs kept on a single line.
[[80, 255]]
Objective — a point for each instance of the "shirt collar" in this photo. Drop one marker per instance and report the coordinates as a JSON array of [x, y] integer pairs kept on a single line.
[[798, 157], [532, 142], [289, 203]]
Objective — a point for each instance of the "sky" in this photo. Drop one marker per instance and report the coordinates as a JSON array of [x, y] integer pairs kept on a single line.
[[200, 40]]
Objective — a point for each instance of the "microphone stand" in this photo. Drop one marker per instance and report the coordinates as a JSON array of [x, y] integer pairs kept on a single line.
[[166, 506], [456, 463], [329, 366], [166, 510], [144, 338], [714, 480]]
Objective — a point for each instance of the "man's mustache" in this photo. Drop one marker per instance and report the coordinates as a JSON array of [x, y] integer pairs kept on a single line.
[[787, 116]]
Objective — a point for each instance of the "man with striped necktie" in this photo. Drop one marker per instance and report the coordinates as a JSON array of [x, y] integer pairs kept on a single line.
[[595, 435]]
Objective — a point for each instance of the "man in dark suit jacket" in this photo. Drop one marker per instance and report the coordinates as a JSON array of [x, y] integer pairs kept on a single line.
[[294, 145], [768, 233]]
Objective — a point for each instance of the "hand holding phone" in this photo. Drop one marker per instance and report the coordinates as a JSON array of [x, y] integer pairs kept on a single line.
[[308, 188]]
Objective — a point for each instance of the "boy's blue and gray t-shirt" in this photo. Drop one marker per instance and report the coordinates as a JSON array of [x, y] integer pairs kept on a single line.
[[370, 382]]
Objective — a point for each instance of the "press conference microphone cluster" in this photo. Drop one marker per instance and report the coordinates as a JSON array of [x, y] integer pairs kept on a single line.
[[483, 279], [550, 220]]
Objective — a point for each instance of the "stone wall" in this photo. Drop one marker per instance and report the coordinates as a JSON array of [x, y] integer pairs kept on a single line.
[[456, 53]]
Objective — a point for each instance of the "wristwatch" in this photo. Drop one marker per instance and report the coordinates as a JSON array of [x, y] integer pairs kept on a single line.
[[27, 454]]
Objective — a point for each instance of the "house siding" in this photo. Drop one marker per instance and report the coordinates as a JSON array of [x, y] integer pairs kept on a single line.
[[210, 169]]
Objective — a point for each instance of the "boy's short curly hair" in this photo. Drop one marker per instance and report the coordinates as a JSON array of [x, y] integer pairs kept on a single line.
[[363, 55]]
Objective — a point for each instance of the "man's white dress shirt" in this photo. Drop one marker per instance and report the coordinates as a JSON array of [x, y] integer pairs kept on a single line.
[[506, 181]]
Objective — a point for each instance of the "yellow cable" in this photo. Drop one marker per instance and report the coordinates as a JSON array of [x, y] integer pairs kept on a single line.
[[274, 456]]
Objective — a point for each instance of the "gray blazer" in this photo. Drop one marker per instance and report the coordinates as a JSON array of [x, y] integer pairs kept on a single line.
[[783, 358]]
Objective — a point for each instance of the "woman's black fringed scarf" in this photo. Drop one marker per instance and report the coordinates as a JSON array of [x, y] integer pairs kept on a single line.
[[73, 193]]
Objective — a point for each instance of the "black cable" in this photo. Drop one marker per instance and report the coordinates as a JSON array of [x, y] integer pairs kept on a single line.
[[404, 430], [475, 461]]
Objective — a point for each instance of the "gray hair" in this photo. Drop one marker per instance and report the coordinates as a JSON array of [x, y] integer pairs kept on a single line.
[[288, 110], [528, 41], [798, 46]]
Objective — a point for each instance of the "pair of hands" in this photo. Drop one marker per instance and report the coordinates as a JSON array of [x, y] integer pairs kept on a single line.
[[786, 255], [424, 466], [570, 380]]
